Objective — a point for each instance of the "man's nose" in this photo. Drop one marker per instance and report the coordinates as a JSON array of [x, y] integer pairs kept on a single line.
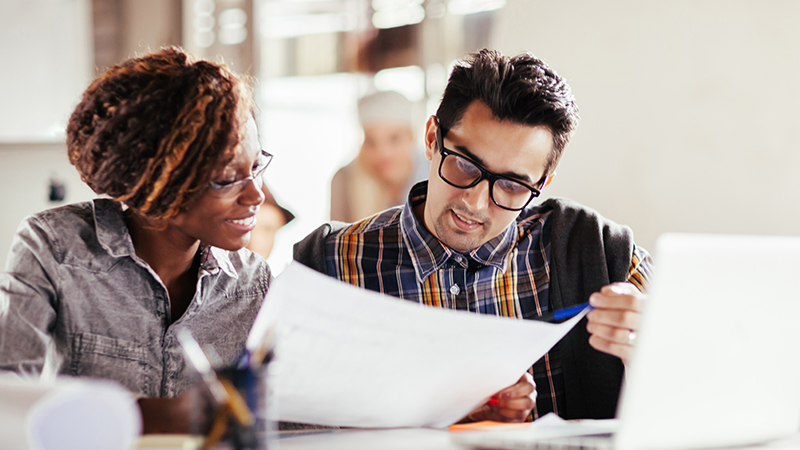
[[477, 198]]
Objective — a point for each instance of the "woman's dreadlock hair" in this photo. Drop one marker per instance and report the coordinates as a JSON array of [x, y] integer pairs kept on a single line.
[[151, 131]]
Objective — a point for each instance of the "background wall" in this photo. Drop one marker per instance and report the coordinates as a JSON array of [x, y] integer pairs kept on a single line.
[[46, 54], [47, 62], [688, 109]]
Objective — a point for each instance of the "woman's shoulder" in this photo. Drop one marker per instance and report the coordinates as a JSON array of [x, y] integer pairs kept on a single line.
[[73, 212], [80, 214], [84, 230], [67, 220], [251, 270]]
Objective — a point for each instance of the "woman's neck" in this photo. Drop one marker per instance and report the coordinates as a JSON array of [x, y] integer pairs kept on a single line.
[[171, 254]]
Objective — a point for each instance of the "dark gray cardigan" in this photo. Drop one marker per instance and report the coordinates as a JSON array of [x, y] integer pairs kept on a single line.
[[587, 253]]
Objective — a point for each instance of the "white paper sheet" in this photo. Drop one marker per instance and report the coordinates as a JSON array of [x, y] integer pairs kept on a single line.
[[69, 413], [351, 357]]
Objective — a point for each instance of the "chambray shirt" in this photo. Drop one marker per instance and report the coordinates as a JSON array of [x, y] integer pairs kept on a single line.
[[76, 300], [393, 253]]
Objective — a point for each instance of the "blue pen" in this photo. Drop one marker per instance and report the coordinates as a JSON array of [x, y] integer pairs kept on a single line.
[[561, 315]]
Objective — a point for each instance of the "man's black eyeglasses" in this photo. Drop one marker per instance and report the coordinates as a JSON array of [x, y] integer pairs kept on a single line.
[[462, 172]]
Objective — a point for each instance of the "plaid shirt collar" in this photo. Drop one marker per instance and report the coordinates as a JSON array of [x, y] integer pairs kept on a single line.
[[429, 254]]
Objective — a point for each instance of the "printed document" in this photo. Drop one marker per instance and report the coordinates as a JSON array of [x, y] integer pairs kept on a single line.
[[346, 356]]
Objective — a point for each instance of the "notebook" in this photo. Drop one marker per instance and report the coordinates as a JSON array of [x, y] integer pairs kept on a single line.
[[717, 358]]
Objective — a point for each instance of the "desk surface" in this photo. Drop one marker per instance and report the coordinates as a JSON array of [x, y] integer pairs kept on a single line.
[[384, 439], [388, 439], [423, 439]]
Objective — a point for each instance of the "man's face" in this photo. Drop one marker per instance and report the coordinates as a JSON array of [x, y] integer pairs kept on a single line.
[[465, 219]]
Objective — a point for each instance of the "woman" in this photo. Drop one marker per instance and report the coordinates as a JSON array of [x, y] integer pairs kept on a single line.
[[101, 288]]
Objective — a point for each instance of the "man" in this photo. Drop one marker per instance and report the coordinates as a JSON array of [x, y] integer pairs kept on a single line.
[[470, 239]]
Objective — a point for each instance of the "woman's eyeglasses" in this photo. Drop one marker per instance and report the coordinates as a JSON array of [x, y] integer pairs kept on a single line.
[[235, 187]]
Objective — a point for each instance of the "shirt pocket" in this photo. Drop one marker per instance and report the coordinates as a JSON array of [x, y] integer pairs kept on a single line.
[[115, 359]]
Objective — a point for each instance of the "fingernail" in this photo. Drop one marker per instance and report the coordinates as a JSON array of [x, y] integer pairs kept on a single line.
[[617, 289], [492, 400], [593, 300]]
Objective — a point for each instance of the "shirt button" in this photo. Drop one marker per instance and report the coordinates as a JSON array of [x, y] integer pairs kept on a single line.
[[454, 289]]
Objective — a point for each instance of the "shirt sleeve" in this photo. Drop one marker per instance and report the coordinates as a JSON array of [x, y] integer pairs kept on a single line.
[[28, 303], [641, 268]]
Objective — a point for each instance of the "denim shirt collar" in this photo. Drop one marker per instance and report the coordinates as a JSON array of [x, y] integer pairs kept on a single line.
[[429, 254], [112, 231], [215, 259], [113, 236]]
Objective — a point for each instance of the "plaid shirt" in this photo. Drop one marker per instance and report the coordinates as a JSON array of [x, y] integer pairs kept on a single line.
[[393, 253]]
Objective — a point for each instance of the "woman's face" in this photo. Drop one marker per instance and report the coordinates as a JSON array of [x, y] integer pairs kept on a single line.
[[225, 221]]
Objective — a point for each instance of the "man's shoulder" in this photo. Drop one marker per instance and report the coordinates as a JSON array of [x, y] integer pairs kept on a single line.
[[311, 250], [381, 221], [570, 215], [581, 234], [370, 226], [563, 211], [569, 207]]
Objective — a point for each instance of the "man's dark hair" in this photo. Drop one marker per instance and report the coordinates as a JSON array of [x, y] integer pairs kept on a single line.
[[521, 89]]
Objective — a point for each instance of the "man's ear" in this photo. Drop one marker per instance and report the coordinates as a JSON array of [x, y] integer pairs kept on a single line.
[[430, 138]]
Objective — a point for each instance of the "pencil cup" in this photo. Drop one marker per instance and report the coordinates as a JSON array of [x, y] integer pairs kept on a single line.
[[251, 384]]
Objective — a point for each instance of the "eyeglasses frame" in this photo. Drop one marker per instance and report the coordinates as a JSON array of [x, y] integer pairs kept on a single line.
[[242, 184]]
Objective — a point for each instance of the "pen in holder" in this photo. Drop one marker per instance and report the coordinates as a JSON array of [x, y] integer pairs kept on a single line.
[[240, 391]]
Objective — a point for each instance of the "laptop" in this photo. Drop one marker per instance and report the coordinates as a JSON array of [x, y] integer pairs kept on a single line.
[[717, 358]]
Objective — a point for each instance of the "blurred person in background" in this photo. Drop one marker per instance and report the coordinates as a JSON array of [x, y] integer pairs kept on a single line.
[[269, 219], [102, 288], [388, 162]]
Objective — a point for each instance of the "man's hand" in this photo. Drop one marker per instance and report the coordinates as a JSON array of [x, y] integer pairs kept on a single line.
[[512, 404], [615, 318]]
